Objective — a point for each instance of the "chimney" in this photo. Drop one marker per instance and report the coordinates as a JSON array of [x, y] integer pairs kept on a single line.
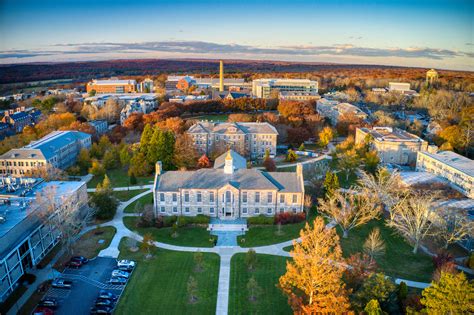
[[221, 76], [158, 168], [299, 170]]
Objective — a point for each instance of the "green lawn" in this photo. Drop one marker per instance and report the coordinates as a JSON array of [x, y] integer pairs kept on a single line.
[[216, 117], [188, 236], [398, 261], [119, 178], [147, 199], [267, 272], [159, 285], [127, 194]]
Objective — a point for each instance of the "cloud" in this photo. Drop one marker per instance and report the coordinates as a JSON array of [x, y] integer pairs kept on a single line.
[[200, 47]]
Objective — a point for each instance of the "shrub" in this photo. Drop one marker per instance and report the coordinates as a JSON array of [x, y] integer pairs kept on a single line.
[[402, 291], [169, 220], [289, 217], [261, 220], [441, 259]]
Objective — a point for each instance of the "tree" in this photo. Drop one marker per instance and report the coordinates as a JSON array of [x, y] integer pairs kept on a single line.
[[313, 279], [383, 188], [203, 162], [325, 136], [198, 261], [139, 166], [348, 210], [147, 244], [110, 160], [269, 164], [291, 156], [331, 183], [373, 308], [452, 294], [185, 154], [105, 205], [253, 289], [376, 287], [96, 168], [133, 179], [453, 225], [192, 288], [348, 162], [411, 218], [84, 160], [301, 148], [360, 267], [48, 173], [251, 259], [374, 246], [371, 160], [124, 156]]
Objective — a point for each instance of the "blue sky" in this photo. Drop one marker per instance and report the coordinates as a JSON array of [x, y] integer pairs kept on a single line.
[[411, 33]]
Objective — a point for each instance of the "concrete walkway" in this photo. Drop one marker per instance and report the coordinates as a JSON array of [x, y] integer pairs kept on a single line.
[[138, 187]]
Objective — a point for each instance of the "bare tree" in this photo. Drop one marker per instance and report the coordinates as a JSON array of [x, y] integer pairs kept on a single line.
[[374, 245], [411, 217], [348, 210], [382, 188], [452, 225]]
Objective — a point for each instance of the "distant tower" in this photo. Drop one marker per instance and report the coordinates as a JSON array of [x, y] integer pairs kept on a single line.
[[431, 77], [221, 76]]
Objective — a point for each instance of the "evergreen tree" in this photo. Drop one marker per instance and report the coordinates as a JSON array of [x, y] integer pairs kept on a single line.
[[145, 138], [331, 183]]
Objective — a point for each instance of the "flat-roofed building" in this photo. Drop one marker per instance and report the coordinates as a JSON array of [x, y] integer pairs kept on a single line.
[[58, 149], [27, 235], [334, 110], [250, 139], [112, 85], [398, 86], [393, 145], [299, 96], [455, 168], [263, 88], [177, 82], [228, 191]]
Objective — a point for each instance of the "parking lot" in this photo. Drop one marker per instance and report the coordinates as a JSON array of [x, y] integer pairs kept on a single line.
[[87, 280]]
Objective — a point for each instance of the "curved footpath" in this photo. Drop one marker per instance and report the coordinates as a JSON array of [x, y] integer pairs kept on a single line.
[[225, 252]]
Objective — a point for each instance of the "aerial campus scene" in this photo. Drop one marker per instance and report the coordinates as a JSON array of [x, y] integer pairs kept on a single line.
[[236, 157]]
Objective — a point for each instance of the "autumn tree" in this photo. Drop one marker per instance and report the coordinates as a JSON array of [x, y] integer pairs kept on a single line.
[[376, 287], [411, 217], [452, 294], [373, 308], [291, 156], [374, 246], [313, 279], [453, 225], [96, 168], [331, 183], [203, 162], [360, 267], [348, 162], [147, 244], [371, 161], [269, 164], [325, 136], [185, 153], [348, 210], [198, 261], [48, 173], [84, 160]]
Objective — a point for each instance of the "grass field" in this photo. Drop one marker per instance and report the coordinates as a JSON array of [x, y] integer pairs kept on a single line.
[[159, 285], [119, 178], [127, 194], [267, 272], [145, 200], [216, 117], [187, 236]]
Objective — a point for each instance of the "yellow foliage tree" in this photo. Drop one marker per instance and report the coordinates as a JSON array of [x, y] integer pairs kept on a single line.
[[312, 280]]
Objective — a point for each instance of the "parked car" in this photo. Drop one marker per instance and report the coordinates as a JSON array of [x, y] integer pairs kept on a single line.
[[61, 283], [126, 265], [41, 310], [103, 294], [118, 280], [120, 273], [80, 259], [104, 302], [101, 310], [74, 264], [48, 302]]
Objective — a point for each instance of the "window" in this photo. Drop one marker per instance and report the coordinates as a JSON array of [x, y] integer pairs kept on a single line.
[[175, 197], [257, 210], [257, 197], [244, 210], [244, 197], [228, 196], [175, 210], [282, 198], [269, 210], [295, 198], [199, 196], [162, 209], [211, 210], [186, 209], [199, 210], [282, 210], [269, 197], [186, 197], [211, 197]]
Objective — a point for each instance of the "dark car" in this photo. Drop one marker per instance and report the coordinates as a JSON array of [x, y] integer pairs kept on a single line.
[[104, 302], [83, 260], [74, 264], [103, 294], [118, 280], [101, 310], [61, 283], [48, 302]]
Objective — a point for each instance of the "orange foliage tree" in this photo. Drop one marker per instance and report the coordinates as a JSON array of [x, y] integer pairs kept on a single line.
[[313, 279]]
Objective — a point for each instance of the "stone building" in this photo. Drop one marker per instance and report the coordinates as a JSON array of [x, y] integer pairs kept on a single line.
[[250, 139], [228, 191], [393, 145]]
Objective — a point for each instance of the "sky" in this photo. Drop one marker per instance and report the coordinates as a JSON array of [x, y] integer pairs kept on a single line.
[[431, 34]]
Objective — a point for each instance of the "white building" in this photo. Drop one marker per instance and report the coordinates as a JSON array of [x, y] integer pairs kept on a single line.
[[398, 86], [262, 88], [299, 96], [146, 86], [335, 110], [189, 98], [456, 169]]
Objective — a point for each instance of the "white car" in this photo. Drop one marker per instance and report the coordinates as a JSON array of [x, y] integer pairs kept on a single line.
[[125, 264], [120, 273]]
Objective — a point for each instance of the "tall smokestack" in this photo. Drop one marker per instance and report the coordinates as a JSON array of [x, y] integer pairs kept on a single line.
[[221, 77]]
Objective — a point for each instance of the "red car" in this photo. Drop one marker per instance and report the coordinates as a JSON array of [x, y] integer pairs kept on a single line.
[[41, 310], [74, 264]]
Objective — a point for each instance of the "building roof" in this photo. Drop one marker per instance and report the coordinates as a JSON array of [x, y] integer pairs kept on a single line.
[[390, 134], [457, 161], [239, 161], [112, 82], [232, 128], [345, 108]]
